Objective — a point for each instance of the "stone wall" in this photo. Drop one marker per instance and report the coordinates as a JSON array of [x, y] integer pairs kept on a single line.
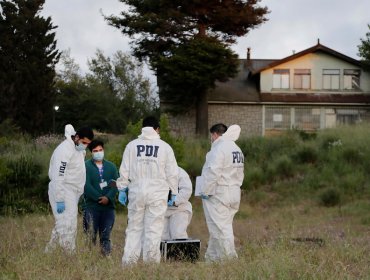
[[249, 117], [182, 125]]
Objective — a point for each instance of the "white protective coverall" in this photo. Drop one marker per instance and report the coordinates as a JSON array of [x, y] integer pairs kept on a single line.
[[67, 174], [149, 170], [178, 217], [223, 174]]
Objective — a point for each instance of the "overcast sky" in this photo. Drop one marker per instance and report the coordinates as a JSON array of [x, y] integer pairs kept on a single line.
[[293, 25]]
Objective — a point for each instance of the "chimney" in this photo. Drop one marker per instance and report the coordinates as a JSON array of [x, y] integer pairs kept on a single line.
[[248, 53], [318, 41]]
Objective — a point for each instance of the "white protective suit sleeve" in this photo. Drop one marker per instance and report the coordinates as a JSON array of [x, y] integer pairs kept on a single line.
[[123, 180], [59, 164], [171, 171], [212, 171], [184, 186]]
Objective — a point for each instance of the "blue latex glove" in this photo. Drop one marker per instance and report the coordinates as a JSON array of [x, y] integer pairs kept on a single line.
[[122, 196], [61, 207], [204, 196], [172, 200]]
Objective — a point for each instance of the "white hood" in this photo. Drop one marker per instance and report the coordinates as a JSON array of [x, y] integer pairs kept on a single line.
[[69, 131], [232, 133], [148, 133]]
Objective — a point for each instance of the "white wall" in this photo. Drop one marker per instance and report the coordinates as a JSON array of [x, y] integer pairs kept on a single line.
[[316, 62]]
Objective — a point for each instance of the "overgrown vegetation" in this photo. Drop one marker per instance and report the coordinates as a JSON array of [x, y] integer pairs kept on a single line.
[[331, 168], [305, 211]]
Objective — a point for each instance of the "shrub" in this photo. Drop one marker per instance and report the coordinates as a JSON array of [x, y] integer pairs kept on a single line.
[[252, 148], [284, 167], [24, 171], [194, 156], [260, 150], [254, 177], [306, 154], [352, 182], [176, 143], [352, 155], [330, 141], [9, 128], [4, 174], [330, 197], [48, 141], [306, 135]]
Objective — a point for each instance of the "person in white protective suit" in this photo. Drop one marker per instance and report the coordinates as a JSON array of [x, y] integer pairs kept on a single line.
[[67, 176], [179, 211], [223, 174], [148, 170]]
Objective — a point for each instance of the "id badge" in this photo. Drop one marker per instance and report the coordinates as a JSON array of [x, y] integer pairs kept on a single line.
[[103, 184]]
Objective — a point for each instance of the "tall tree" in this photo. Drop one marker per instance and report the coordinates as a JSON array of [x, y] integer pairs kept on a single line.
[[113, 93], [28, 56], [162, 31], [364, 50]]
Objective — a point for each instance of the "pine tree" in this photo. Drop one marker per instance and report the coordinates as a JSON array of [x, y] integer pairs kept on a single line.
[[163, 31], [27, 65]]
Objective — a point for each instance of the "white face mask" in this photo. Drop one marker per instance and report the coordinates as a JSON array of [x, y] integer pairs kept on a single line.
[[80, 147], [98, 156]]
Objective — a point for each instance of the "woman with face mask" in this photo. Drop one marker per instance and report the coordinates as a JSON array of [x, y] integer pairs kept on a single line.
[[99, 197]]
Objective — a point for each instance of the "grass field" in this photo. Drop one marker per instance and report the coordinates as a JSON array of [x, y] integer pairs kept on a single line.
[[305, 211], [297, 241]]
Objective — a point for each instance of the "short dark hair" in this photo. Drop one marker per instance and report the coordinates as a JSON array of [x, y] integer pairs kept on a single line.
[[151, 121], [218, 128], [95, 143], [85, 132]]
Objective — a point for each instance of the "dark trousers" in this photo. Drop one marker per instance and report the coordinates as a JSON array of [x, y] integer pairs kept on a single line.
[[102, 221]]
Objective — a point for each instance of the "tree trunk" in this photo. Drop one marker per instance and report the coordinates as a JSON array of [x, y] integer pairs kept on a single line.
[[202, 115]]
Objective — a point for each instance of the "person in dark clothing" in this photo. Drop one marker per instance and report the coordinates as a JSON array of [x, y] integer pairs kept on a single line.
[[99, 197]]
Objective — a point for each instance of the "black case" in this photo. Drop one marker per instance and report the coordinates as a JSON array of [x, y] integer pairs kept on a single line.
[[180, 250]]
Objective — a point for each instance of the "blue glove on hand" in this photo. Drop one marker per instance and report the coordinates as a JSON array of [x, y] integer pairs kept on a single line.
[[61, 207], [172, 200], [204, 196], [122, 196]]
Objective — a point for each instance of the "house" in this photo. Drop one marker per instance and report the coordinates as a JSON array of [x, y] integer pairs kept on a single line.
[[316, 88]]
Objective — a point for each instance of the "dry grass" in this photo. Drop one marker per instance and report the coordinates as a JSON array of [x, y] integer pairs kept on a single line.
[[265, 239]]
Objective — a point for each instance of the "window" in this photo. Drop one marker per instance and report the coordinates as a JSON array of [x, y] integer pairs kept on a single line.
[[348, 116], [281, 79], [302, 78], [307, 118], [330, 78], [351, 79], [277, 118]]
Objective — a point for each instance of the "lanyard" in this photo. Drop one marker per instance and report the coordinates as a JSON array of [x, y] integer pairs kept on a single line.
[[101, 171]]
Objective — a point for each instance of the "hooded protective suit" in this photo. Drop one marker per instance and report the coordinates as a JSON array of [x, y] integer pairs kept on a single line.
[[223, 174], [67, 176], [178, 217], [149, 170]]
